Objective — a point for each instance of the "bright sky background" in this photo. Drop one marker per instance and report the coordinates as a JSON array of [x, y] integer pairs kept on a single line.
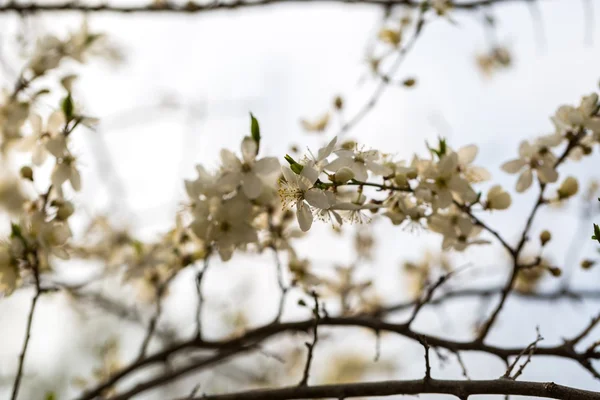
[[287, 62]]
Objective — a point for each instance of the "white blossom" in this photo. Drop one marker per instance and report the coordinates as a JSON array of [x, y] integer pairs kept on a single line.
[[444, 180], [36, 142], [532, 157], [65, 168], [473, 173], [360, 162], [247, 172], [298, 191], [228, 226]]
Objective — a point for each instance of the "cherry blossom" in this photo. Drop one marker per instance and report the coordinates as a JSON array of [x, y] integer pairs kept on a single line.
[[249, 172]]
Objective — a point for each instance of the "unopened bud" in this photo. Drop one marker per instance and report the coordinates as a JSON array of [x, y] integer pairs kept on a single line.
[[401, 180], [348, 145], [555, 271], [412, 174], [568, 188], [27, 173], [65, 210], [587, 264], [545, 237], [410, 82], [338, 103], [343, 175]]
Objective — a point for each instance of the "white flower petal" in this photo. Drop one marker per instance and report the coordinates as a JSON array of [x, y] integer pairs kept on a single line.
[[326, 151], [525, 149], [448, 163], [304, 215], [57, 146], [56, 122], [310, 173], [60, 174], [377, 168], [252, 185], [229, 181], [230, 160], [27, 143], [39, 155], [360, 171], [289, 175], [249, 149], [547, 174], [513, 166], [266, 166], [339, 163], [477, 174], [525, 180], [75, 178], [467, 154], [317, 198], [36, 124]]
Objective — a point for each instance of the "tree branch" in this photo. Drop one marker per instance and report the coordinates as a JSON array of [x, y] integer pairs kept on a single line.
[[251, 339], [201, 8], [460, 389]]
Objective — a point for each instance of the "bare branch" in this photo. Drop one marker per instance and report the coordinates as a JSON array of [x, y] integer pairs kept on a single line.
[[460, 389], [202, 8], [252, 339], [529, 350], [199, 278], [311, 346]]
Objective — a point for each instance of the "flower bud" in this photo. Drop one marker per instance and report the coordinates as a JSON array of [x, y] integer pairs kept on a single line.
[[412, 174], [409, 82], [343, 175], [568, 188], [401, 180], [338, 103], [348, 145], [587, 264], [27, 173], [390, 36], [498, 199], [65, 210], [545, 237], [555, 271]]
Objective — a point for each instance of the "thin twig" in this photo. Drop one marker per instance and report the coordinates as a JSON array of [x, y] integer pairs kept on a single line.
[[311, 346], [282, 286], [529, 350], [160, 291], [385, 79], [425, 345], [199, 278], [38, 293], [462, 364], [425, 299]]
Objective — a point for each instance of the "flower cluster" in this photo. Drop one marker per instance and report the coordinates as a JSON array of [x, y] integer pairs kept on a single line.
[[227, 206], [40, 228], [435, 192], [576, 128]]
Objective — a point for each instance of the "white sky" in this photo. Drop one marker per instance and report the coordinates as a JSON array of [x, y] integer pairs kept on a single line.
[[287, 62]]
